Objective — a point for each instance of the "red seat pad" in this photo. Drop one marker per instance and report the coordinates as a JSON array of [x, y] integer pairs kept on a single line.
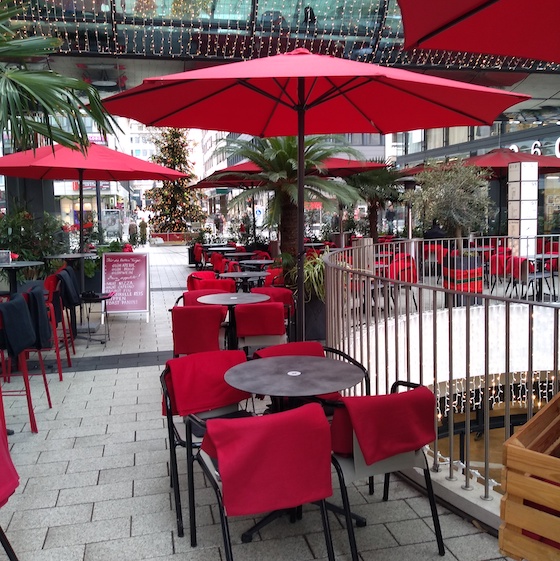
[[197, 381], [284, 458], [386, 425], [265, 318], [196, 328], [9, 479]]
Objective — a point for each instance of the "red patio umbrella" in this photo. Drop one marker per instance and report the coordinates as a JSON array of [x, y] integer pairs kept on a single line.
[[243, 175], [499, 159], [99, 164], [300, 93], [498, 27]]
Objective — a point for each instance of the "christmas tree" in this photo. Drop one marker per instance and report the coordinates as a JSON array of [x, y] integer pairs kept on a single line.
[[174, 205]]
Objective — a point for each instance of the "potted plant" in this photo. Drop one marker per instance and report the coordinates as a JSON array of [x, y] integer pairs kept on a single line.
[[315, 292]]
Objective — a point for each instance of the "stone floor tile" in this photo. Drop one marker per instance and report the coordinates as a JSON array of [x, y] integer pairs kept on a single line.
[[131, 549], [90, 532]]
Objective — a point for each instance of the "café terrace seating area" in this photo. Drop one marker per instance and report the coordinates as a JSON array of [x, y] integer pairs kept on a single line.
[[113, 472]]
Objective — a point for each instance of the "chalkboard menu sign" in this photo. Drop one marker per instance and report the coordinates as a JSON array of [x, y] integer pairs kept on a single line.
[[128, 276]]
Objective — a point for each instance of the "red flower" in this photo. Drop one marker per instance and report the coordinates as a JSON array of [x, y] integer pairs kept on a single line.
[[127, 248], [14, 256], [88, 225]]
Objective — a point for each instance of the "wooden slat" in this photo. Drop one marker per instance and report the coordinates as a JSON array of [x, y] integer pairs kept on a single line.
[[533, 520], [518, 546], [527, 461], [535, 490]]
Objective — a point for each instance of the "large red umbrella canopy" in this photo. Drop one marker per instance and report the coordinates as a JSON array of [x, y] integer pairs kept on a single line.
[[499, 27], [299, 93], [99, 163]]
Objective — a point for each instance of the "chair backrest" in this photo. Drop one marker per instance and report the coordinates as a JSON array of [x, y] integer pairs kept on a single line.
[[519, 268], [278, 294], [286, 454], [497, 264], [233, 267], [297, 348], [16, 325], [190, 298], [194, 278], [402, 268], [384, 425], [275, 277], [228, 285], [217, 261], [195, 383], [196, 329], [266, 318], [37, 306]]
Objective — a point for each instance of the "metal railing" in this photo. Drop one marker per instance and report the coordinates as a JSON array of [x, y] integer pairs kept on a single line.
[[485, 340]]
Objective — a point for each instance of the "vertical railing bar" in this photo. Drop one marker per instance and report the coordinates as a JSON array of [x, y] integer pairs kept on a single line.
[[467, 399], [507, 381], [450, 382], [530, 373], [486, 403]]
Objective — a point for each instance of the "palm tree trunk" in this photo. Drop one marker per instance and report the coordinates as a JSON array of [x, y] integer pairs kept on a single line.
[[373, 211], [288, 226]]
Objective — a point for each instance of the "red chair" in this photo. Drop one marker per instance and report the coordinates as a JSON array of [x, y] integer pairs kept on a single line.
[[194, 278], [217, 261], [20, 337], [275, 277], [196, 329], [287, 456], [200, 256], [260, 325], [58, 316], [9, 480], [402, 268], [374, 435], [497, 268], [282, 295], [227, 285], [194, 388]]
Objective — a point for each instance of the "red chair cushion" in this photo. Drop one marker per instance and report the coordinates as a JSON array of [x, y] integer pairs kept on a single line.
[[386, 425], [286, 454], [228, 285], [196, 328], [9, 479], [266, 318], [299, 348], [197, 381]]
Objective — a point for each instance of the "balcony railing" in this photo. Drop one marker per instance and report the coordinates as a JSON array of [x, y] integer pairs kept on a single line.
[[477, 321]]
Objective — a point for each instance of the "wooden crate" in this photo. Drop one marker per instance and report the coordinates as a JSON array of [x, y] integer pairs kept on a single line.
[[530, 508]]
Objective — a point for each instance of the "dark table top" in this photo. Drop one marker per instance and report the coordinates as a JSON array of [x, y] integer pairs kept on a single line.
[[233, 298], [67, 256], [223, 249], [244, 275], [257, 262], [240, 254], [293, 376], [20, 264]]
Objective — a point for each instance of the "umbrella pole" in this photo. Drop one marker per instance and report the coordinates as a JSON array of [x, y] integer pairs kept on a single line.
[[81, 224], [300, 317]]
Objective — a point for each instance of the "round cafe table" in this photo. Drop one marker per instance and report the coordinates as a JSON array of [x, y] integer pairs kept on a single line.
[[245, 277], [255, 263], [12, 269], [231, 299], [294, 376]]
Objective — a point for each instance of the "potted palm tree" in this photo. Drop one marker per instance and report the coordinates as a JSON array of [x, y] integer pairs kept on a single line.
[[314, 289]]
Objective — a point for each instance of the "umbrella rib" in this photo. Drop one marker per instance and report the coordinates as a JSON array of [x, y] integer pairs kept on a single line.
[[432, 102], [453, 22]]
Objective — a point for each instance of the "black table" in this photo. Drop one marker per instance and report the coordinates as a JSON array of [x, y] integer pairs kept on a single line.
[[231, 300], [237, 255], [12, 269], [290, 377], [294, 376], [222, 249], [255, 263], [245, 277]]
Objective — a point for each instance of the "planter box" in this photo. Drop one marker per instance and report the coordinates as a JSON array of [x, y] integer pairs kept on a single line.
[[530, 508]]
